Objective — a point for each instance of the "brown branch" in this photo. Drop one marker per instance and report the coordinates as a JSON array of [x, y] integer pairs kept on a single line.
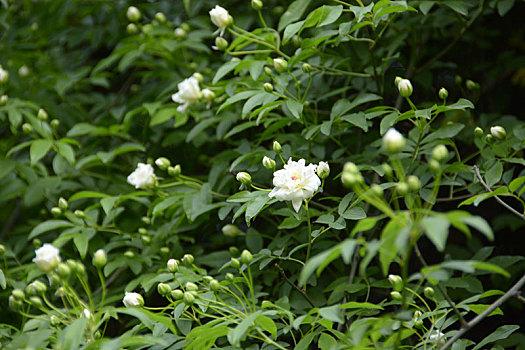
[[510, 293], [514, 211], [301, 291]]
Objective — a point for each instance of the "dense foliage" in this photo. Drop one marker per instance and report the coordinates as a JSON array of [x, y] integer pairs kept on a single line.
[[248, 175]]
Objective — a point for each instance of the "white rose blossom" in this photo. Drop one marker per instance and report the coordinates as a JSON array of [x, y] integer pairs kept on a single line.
[[220, 17], [133, 300], [296, 182], [47, 257], [189, 93], [143, 177], [437, 338]]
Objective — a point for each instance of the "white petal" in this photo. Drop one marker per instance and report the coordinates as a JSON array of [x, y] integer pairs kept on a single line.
[[296, 203]]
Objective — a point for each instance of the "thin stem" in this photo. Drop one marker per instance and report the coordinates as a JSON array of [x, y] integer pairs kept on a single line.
[[102, 282], [309, 231], [301, 291]]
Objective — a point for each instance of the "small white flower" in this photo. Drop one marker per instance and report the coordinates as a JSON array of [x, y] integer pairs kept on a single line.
[[143, 177], [189, 93], [393, 141], [437, 338], [220, 17], [47, 257], [296, 182], [405, 87], [4, 75], [498, 132], [133, 300], [323, 170]]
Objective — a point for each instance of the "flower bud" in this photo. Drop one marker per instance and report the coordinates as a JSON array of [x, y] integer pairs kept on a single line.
[[498, 132], [179, 33], [268, 87], [132, 28], [23, 71], [351, 168], [133, 14], [221, 44], [146, 239], [230, 230], [2, 249], [18, 294], [177, 294], [268, 163], [405, 88], [402, 188], [62, 203], [234, 251], [458, 80], [163, 289], [414, 184], [246, 257], [266, 304], [14, 304], [396, 281], [393, 141], [60, 292], [257, 5], [129, 254], [56, 211], [215, 285], [396, 296], [160, 17], [147, 28], [397, 80], [3, 100], [443, 93], [471, 86], [207, 279], [323, 170], [439, 153], [63, 270], [188, 298], [418, 323], [163, 163], [198, 76], [42, 114], [280, 65], [54, 320], [230, 277], [429, 292], [377, 190], [27, 128], [133, 300], [172, 265], [208, 95], [244, 178], [174, 170], [235, 263], [434, 165], [268, 70], [100, 258], [187, 259], [36, 302], [351, 179], [221, 18], [4, 75], [190, 286], [276, 147], [164, 250], [478, 132], [307, 68], [79, 214]]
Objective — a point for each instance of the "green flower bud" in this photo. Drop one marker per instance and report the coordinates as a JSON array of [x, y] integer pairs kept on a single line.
[[18, 294], [42, 114], [244, 178], [414, 184], [434, 165], [146, 220], [56, 211], [280, 65], [79, 214], [142, 230], [230, 277], [443, 93], [230, 230], [2, 249], [498, 132], [377, 190], [439, 153], [266, 304], [62, 203], [246, 257], [396, 296], [207, 279], [215, 285], [489, 138], [221, 44], [14, 304], [185, 26], [146, 239], [188, 298], [198, 76], [174, 171], [133, 14], [39, 287], [393, 141], [276, 147], [268, 87], [60, 292], [177, 294], [3, 100], [234, 251], [100, 258], [351, 179], [471, 86], [429, 292], [418, 323], [478, 132], [405, 87], [147, 28], [307, 68], [458, 80], [54, 320], [164, 250], [268, 163], [235, 263], [187, 259], [163, 289], [402, 188], [129, 254], [397, 80], [323, 170], [396, 281], [63, 270], [27, 128], [350, 167], [208, 95], [36, 302], [132, 28], [268, 70], [163, 163], [257, 5], [190, 286], [172, 265], [160, 17], [417, 314], [179, 33], [55, 123]]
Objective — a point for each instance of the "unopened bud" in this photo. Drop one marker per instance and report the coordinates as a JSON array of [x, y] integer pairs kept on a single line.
[[172, 265], [439, 153], [268, 70], [397, 80], [257, 5], [188, 298], [393, 141], [62, 203], [405, 88], [215, 285], [100, 258], [177, 294], [3, 100], [129, 254], [163, 163], [235, 263], [276, 147], [414, 184], [208, 95], [246, 257], [133, 14], [36, 302], [434, 165], [396, 281], [234, 251], [179, 33], [268, 87], [230, 277], [146, 220], [42, 114], [79, 214], [268, 163], [458, 80], [207, 279], [307, 68], [396, 296], [402, 188], [54, 320], [187, 259], [164, 250], [14, 304], [498, 132], [56, 211], [230, 230], [2, 249], [351, 168], [18, 294], [27, 128], [429, 292], [174, 170], [323, 170], [147, 28], [146, 239], [132, 28], [244, 178], [63, 270], [443, 93], [190, 286], [163, 289], [161, 17], [478, 132], [351, 179], [280, 65], [377, 190], [471, 86], [221, 43]]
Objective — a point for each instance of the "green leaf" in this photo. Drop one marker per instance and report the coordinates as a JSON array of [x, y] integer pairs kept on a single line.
[[267, 324], [236, 334], [355, 213], [326, 342], [360, 305], [148, 318], [331, 313], [48, 226], [87, 194], [445, 132], [296, 108], [330, 14], [293, 13], [504, 6], [436, 229], [108, 203], [479, 308], [223, 70], [291, 30], [357, 119], [163, 115], [502, 332], [513, 186], [39, 149], [480, 224], [255, 206], [71, 337], [493, 175], [66, 151], [458, 6], [2, 279], [480, 265]]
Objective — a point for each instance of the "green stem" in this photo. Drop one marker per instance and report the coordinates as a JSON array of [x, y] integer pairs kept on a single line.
[[309, 230], [103, 284]]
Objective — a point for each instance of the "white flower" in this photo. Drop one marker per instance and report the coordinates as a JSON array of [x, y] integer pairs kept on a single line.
[[393, 141], [220, 17], [87, 314], [189, 93], [323, 170], [133, 299], [405, 87], [143, 177], [498, 132], [208, 94], [295, 183], [4, 75], [47, 257], [437, 338]]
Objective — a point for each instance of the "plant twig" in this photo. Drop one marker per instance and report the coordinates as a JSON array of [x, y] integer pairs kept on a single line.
[[514, 211], [301, 291], [510, 293]]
